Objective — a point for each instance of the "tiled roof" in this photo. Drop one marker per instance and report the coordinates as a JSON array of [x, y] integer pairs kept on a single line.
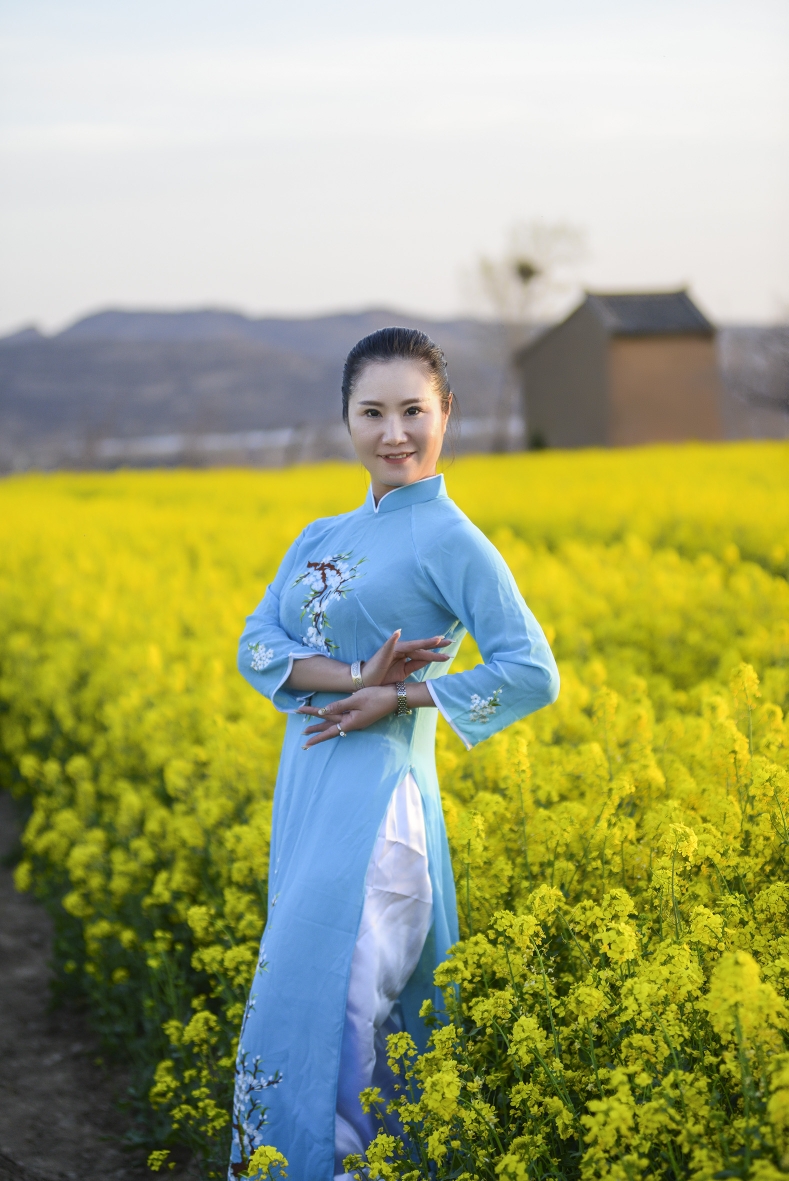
[[649, 314]]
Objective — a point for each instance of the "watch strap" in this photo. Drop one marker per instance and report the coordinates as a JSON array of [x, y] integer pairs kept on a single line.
[[402, 699]]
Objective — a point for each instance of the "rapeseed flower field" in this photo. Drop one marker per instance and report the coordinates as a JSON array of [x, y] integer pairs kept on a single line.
[[617, 1007]]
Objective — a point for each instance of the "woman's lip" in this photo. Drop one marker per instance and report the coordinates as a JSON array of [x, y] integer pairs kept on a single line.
[[399, 458]]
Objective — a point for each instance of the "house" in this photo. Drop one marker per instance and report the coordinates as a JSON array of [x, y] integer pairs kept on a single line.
[[621, 370]]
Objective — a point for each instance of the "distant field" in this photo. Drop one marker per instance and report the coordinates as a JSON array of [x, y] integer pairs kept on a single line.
[[620, 857]]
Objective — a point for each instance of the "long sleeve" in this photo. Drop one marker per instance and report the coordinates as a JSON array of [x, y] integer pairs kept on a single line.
[[266, 651], [519, 674]]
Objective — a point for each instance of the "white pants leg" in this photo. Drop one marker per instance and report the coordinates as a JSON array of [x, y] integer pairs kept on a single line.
[[396, 918]]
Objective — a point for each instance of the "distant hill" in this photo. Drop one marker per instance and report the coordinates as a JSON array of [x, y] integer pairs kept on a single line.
[[321, 336], [126, 375], [209, 386]]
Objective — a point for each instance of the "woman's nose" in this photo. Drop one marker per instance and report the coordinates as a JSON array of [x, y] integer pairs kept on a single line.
[[394, 431]]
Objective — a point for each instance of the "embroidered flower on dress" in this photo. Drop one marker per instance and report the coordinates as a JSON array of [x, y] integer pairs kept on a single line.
[[261, 656], [328, 582], [482, 709], [249, 1114]]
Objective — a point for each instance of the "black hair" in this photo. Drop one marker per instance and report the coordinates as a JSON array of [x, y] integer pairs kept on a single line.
[[396, 344]]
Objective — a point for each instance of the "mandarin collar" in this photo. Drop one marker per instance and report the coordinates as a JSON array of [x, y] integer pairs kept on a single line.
[[431, 488]]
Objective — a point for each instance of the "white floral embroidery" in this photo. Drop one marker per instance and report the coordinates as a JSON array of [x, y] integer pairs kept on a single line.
[[328, 582], [314, 639], [261, 657], [249, 1114], [482, 709]]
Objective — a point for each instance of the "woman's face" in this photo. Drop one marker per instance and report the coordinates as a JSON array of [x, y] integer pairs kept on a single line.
[[397, 423]]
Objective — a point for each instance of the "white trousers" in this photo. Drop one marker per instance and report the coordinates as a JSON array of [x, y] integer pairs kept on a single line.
[[398, 911]]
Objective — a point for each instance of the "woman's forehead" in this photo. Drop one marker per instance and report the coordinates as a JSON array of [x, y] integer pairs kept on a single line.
[[396, 378]]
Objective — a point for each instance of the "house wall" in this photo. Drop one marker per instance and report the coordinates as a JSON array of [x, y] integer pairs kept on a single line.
[[563, 379], [663, 389]]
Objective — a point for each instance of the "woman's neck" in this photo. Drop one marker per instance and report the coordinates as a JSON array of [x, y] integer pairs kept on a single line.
[[380, 490]]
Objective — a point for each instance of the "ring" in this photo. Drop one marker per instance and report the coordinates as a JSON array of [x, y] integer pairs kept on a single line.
[[340, 732], [322, 711]]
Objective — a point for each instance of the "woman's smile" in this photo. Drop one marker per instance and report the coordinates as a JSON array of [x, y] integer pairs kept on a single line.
[[397, 456], [397, 423]]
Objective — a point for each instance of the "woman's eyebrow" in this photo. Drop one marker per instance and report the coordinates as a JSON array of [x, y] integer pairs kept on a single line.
[[373, 402]]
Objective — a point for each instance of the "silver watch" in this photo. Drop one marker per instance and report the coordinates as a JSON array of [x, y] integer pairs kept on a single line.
[[402, 699]]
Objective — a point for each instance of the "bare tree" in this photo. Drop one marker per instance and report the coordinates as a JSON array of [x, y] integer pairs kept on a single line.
[[756, 366], [769, 381], [523, 287]]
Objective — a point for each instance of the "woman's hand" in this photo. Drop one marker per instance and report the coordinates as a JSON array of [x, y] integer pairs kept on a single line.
[[356, 712], [360, 710], [395, 660]]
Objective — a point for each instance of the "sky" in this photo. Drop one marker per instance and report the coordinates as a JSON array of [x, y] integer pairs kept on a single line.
[[311, 156]]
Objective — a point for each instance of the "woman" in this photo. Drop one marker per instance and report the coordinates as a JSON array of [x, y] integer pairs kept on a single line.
[[357, 631]]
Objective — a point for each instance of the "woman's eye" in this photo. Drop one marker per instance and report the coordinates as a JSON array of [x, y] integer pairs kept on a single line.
[[372, 414], [413, 410]]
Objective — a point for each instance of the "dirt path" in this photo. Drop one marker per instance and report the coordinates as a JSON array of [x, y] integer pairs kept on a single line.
[[58, 1119]]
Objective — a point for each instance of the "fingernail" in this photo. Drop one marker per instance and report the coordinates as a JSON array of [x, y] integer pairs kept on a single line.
[[305, 747]]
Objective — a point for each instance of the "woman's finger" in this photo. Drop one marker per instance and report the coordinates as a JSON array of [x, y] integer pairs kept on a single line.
[[324, 737], [319, 727], [408, 669], [335, 707], [375, 668], [426, 642], [333, 731], [430, 642], [346, 718], [384, 653]]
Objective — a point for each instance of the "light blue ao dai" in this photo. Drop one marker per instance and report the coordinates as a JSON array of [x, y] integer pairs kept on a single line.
[[415, 562]]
